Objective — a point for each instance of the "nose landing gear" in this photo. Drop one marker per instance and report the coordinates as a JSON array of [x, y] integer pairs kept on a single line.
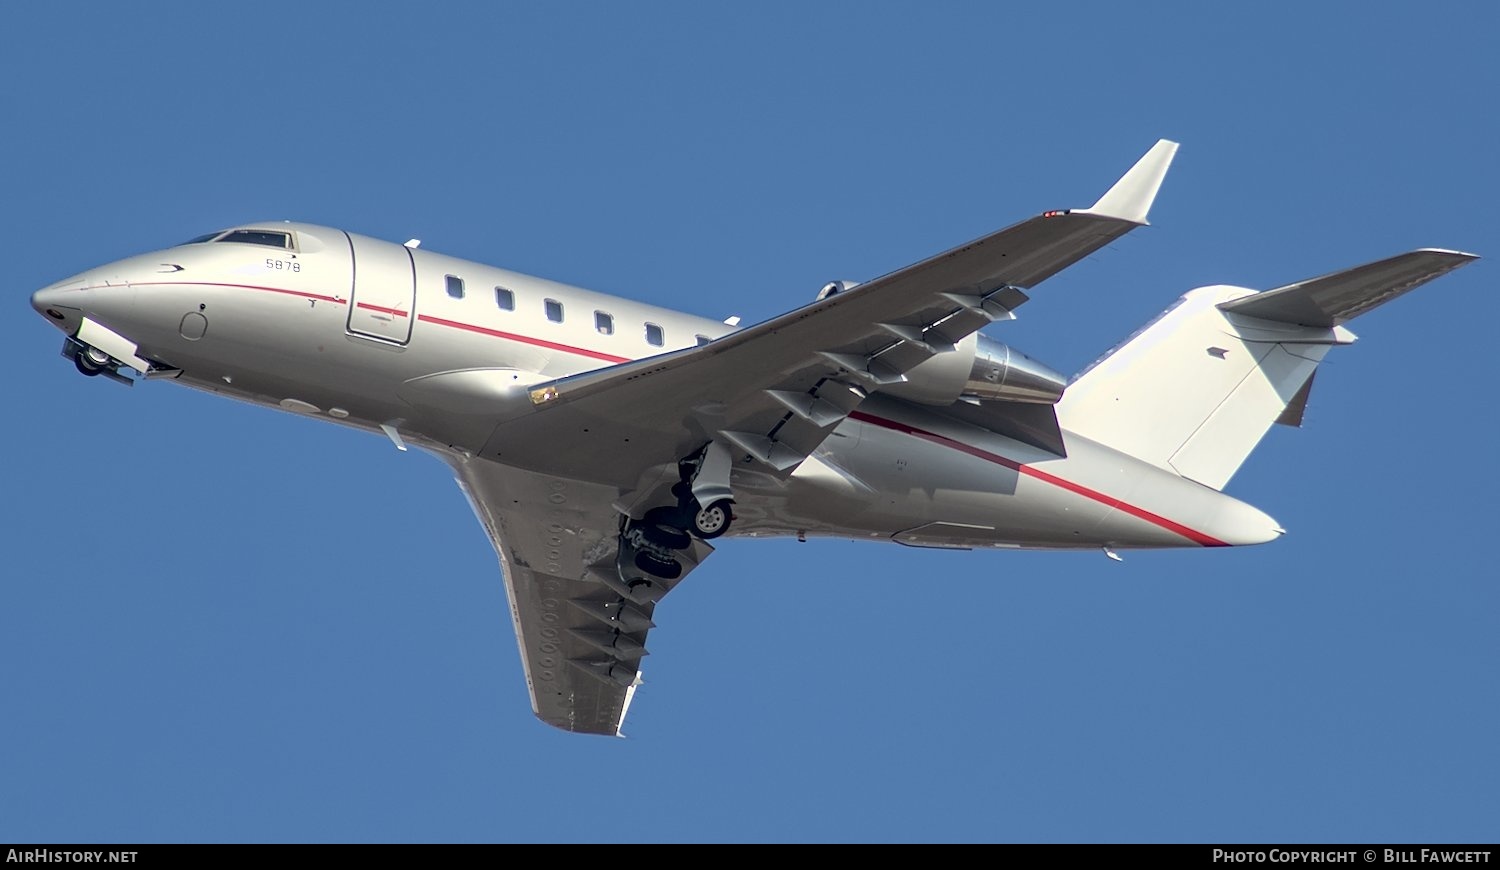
[[95, 349], [92, 361]]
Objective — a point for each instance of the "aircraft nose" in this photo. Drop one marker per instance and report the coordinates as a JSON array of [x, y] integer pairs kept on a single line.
[[61, 303], [45, 298]]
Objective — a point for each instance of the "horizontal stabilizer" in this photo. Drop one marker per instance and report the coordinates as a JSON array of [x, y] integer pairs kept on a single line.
[[1333, 299]]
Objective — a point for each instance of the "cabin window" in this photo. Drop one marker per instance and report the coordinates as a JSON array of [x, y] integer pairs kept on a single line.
[[703, 339], [554, 311], [504, 299], [455, 286], [604, 323], [269, 238], [654, 336]]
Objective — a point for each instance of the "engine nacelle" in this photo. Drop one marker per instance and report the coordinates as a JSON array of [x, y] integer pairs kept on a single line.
[[981, 368], [834, 287]]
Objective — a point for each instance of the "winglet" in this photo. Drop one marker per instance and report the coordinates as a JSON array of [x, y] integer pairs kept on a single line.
[[1131, 197]]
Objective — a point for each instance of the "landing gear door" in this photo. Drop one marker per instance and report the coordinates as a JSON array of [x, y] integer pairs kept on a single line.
[[384, 292]]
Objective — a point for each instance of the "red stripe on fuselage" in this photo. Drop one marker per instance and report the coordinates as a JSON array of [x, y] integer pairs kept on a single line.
[[524, 339], [1172, 526], [394, 312], [302, 293], [453, 324]]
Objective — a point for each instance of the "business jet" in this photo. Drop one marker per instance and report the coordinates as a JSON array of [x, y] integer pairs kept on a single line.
[[605, 444]]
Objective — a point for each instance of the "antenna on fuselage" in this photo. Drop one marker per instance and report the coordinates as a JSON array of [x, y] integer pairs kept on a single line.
[[413, 243]]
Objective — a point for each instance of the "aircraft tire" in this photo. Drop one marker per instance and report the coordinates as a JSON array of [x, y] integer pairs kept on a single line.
[[662, 527], [666, 569], [714, 520], [84, 362]]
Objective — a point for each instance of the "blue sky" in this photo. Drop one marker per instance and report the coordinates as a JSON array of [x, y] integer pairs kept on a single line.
[[224, 624]]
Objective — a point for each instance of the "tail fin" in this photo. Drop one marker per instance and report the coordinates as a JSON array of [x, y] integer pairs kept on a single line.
[[1196, 389]]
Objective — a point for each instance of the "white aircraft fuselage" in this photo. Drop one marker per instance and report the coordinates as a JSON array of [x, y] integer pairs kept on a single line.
[[366, 333]]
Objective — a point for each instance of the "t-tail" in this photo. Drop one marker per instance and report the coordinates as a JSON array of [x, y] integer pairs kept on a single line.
[[1196, 389]]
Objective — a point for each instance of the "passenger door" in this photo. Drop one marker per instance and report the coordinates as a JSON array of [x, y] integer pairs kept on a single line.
[[384, 293]]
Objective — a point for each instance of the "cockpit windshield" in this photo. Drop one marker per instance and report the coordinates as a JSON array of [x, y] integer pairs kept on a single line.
[[269, 238]]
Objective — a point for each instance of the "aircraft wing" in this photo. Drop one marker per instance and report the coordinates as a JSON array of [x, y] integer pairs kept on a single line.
[[774, 391], [581, 632], [555, 479]]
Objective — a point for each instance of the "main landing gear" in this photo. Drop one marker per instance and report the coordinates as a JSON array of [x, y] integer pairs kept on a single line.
[[714, 520], [704, 510]]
